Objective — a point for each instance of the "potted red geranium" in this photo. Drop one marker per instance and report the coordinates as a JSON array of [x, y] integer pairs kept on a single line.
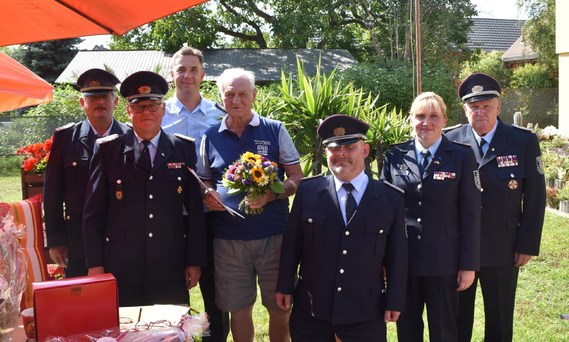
[[33, 167]]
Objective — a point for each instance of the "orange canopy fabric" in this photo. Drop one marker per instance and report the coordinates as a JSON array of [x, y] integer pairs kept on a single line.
[[19, 87], [26, 21]]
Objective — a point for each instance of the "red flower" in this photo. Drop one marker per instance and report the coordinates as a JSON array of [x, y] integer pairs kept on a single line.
[[37, 156]]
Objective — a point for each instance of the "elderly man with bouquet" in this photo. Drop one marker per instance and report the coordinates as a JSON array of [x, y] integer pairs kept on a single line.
[[243, 161]]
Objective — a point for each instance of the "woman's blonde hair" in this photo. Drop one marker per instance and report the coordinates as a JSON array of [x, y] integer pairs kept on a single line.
[[429, 99]]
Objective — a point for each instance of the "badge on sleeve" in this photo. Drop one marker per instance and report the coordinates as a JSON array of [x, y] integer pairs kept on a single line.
[[539, 162], [477, 181]]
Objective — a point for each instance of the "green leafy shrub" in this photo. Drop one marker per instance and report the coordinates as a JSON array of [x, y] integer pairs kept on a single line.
[[531, 76]]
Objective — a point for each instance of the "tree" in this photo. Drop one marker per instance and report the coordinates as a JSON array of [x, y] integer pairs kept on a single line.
[[489, 63], [48, 59], [539, 30], [369, 29]]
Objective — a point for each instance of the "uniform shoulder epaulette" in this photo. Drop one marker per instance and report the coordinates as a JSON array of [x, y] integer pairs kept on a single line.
[[395, 187], [398, 143], [220, 108], [304, 179], [460, 143], [450, 128], [525, 129], [64, 127], [107, 138], [184, 137]]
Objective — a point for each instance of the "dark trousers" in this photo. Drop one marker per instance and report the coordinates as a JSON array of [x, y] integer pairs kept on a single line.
[[218, 320], [441, 298], [305, 328], [139, 294], [499, 293], [75, 268]]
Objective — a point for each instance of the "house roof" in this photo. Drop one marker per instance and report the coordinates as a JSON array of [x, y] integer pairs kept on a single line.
[[265, 63], [120, 63], [488, 34], [519, 51]]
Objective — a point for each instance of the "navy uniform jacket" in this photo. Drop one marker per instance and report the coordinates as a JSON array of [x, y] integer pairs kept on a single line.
[[442, 209], [66, 178], [132, 223], [341, 277], [513, 196]]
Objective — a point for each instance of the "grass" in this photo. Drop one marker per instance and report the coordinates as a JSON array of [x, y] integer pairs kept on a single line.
[[542, 294]]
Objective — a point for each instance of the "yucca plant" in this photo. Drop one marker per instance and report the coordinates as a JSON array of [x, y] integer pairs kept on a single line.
[[306, 101]]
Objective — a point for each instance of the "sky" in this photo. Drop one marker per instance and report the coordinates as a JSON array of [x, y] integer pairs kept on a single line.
[[498, 9]]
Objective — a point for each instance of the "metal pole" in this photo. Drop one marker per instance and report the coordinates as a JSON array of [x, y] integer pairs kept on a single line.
[[418, 43]]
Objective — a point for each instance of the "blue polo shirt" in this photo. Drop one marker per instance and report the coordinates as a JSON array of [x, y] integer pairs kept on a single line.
[[221, 148]]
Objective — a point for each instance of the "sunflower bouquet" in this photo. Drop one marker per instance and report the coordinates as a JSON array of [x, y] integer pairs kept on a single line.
[[253, 174]]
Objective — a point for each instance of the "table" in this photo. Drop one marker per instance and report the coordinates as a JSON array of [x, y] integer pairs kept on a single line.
[[129, 317]]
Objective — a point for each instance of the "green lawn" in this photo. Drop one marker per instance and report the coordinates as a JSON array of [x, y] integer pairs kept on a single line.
[[542, 296]]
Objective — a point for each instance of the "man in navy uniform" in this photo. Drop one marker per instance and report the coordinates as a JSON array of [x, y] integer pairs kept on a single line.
[[347, 232], [67, 171], [513, 205], [133, 224]]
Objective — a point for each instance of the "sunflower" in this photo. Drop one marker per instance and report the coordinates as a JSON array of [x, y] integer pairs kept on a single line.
[[252, 158], [258, 174]]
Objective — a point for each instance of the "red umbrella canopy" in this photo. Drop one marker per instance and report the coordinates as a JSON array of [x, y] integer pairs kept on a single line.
[[19, 87], [26, 21]]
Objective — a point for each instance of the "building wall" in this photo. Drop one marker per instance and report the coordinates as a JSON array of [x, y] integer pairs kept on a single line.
[[562, 47]]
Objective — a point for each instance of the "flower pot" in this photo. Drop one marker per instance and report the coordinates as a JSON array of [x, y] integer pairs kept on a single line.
[[32, 184], [564, 206]]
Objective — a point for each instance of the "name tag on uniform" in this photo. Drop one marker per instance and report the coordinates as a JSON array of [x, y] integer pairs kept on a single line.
[[506, 161], [175, 165], [442, 175]]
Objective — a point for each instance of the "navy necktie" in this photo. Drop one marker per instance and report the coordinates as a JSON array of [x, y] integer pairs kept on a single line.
[[480, 145], [425, 162], [146, 161], [351, 204]]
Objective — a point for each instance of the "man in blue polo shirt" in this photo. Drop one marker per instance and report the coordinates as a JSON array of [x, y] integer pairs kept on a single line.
[[245, 249]]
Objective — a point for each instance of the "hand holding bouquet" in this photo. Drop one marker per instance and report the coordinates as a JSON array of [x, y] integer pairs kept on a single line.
[[253, 174]]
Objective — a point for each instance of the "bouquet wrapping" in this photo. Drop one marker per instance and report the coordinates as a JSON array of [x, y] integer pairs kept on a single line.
[[253, 175], [12, 272]]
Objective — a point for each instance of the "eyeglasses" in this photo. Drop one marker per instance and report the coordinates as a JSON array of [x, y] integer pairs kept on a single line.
[[138, 108]]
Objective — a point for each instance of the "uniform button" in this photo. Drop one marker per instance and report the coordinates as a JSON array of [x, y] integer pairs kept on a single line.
[[150, 215], [150, 178], [420, 203], [347, 232], [339, 289], [107, 239], [150, 196], [512, 175], [481, 189], [419, 220], [344, 252], [68, 217], [341, 271], [179, 178], [418, 237], [149, 234], [74, 164], [381, 231], [309, 220], [420, 186], [184, 236]]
